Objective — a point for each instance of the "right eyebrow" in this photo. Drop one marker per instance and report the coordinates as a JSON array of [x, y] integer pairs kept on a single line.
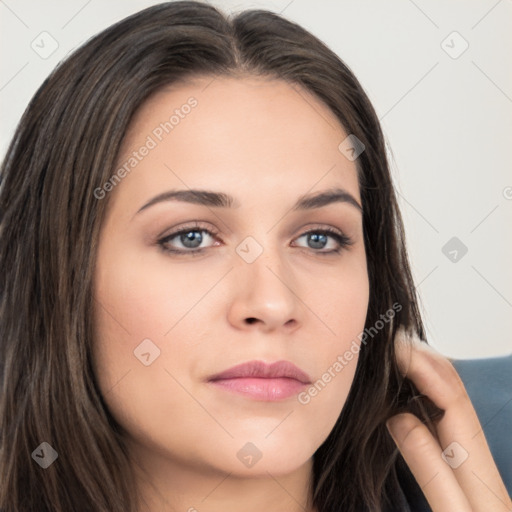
[[222, 200], [201, 197]]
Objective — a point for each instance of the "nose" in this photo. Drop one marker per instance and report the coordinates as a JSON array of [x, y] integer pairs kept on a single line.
[[264, 295]]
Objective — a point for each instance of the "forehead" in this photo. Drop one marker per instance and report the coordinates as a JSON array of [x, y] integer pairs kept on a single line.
[[251, 134]]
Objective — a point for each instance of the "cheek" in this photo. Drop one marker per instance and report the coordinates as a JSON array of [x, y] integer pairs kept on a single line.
[[142, 295], [323, 401], [139, 369], [340, 301], [342, 307]]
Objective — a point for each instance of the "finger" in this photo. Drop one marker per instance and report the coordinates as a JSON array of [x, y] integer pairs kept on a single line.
[[423, 456], [459, 431]]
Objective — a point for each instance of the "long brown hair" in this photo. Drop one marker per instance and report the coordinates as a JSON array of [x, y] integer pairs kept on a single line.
[[64, 148]]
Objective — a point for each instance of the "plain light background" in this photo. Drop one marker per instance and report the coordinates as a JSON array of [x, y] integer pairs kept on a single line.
[[439, 76]]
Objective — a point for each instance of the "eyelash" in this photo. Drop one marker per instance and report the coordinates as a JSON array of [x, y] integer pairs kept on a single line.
[[342, 240]]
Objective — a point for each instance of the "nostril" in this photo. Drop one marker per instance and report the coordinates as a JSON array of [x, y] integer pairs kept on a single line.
[[251, 320]]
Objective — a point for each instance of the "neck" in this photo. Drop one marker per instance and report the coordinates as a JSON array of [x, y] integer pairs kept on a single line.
[[166, 485]]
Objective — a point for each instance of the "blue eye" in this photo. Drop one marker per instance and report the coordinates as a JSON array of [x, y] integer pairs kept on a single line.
[[192, 237], [319, 237]]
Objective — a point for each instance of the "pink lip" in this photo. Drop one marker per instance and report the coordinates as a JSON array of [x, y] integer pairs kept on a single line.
[[261, 381]]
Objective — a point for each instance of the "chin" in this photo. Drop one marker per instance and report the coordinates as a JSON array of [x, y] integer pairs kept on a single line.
[[260, 456]]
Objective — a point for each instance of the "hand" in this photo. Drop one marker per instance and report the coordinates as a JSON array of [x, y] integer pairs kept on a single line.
[[466, 479]]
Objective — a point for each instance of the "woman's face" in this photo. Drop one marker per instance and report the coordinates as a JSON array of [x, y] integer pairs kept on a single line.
[[248, 283]]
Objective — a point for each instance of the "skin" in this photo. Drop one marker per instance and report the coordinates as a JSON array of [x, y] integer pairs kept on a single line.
[[248, 138], [470, 481]]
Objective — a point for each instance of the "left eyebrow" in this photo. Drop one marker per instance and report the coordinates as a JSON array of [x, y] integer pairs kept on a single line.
[[222, 200], [333, 195]]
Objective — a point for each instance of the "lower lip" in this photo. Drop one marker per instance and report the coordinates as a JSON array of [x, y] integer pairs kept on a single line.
[[270, 390]]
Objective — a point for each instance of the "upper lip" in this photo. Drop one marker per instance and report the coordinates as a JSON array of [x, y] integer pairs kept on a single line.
[[260, 369]]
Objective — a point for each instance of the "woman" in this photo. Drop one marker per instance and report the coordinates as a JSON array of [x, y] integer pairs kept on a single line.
[[208, 303]]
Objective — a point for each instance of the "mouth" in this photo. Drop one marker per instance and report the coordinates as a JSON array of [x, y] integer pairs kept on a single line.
[[262, 381]]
